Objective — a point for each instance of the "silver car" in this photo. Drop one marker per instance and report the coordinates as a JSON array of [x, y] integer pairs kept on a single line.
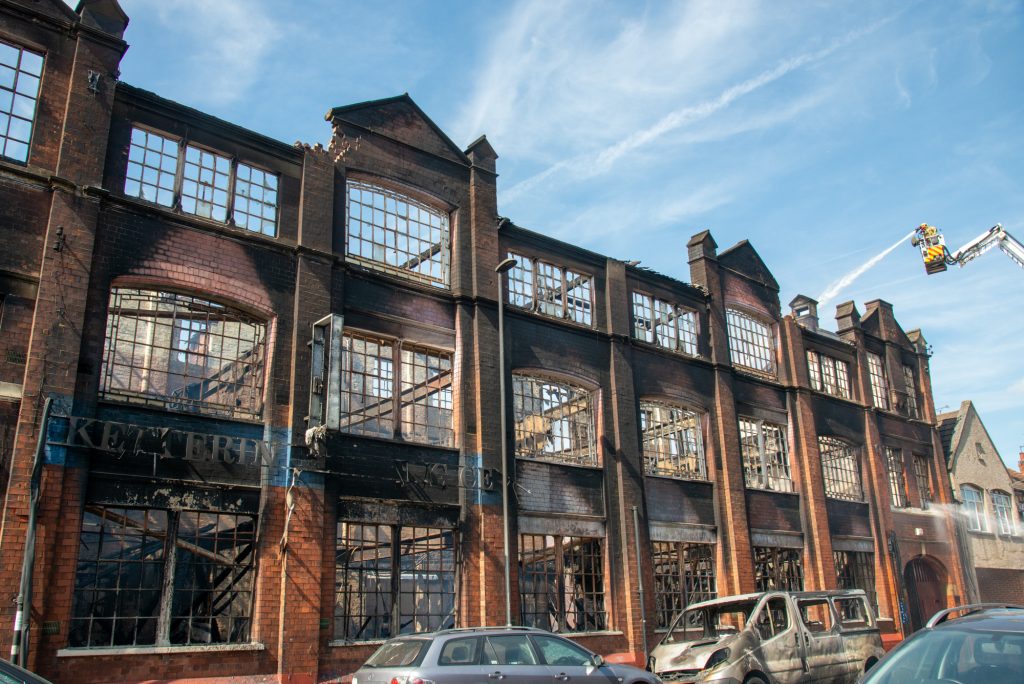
[[512, 655], [777, 636]]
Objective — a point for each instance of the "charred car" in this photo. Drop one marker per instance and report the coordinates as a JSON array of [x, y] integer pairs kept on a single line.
[[775, 636]]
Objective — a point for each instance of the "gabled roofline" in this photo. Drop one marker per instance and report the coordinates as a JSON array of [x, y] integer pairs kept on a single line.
[[773, 285], [336, 112]]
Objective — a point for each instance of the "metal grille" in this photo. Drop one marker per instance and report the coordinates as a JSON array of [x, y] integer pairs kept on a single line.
[[923, 479], [561, 582], [672, 443], [683, 574], [778, 569], [255, 206], [840, 468], [374, 599], [855, 570], [204, 186], [119, 579], [151, 576], [20, 71], [553, 421], [828, 375], [550, 290], [974, 508], [427, 396], [751, 344], [367, 386], [392, 232], [765, 457], [897, 481], [183, 353], [213, 581], [879, 386], [1003, 511], [152, 167], [911, 386]]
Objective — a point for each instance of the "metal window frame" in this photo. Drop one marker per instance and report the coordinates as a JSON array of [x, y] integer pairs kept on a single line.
[[550, 290], [856, 570], [538, 428], [440, 555], [687, 463], [879, 383], [778, 568], [896, 474], [840, 468], [751, 342], [5, 135], [571, 609], [684, 573], [408, 242], [763, 469], [911, 387], [922, 475]]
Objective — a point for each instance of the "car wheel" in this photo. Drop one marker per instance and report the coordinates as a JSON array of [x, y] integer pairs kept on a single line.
[[755, 679]]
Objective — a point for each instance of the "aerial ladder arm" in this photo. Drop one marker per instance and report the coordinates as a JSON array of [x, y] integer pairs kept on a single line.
[[936, 256]]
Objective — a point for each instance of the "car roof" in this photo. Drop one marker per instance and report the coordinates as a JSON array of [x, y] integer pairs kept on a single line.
[[996, 619], [740, 598]]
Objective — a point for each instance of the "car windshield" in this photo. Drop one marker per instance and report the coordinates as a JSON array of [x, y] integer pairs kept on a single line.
[[953, 655], [399, 653], [710, 622]]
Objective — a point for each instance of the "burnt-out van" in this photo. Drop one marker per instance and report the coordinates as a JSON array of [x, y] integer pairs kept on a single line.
[[774, 636]]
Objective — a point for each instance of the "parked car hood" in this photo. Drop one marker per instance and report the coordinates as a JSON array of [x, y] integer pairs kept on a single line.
[[689, 655]]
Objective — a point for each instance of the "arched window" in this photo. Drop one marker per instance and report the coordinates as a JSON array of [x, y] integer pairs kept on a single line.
[[183, 353], [392, 232], [554, 421], [974, 508]]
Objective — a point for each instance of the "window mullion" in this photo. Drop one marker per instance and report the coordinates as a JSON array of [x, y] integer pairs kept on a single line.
[[761, 454], [163, 627], [396, 389], [396, 579], [229, 203], [559, 547], [179, 175]]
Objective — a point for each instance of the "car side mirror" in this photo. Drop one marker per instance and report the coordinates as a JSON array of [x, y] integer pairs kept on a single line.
[[597, 660]]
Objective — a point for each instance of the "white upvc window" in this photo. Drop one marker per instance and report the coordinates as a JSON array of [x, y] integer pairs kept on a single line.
[[974, 508], [751, 342], [1003, 510], [879, 385]]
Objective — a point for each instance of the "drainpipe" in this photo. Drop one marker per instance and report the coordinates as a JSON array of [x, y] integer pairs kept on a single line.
[[640, 578], [20, 643]]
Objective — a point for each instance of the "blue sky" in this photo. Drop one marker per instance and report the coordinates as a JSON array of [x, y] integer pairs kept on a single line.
[[823, 132]]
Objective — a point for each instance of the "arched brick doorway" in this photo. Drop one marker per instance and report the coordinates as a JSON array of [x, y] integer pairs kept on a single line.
[[927, 586]]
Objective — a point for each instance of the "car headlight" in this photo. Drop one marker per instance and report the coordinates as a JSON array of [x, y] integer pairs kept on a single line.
[[718, 658]]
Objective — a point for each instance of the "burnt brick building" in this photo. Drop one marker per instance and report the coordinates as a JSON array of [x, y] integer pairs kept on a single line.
[[263, 387]]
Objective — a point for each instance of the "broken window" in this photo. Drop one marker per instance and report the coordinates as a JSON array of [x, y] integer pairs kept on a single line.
[[921, 475], [974, 508], [368, 390], [561, 583], [20, 72], [667, 325], [1003, 511], [210, 185], [911, 387], [828, 375], [879, 385], [778, 569], [684, 573], [672, 444], [392, 232], [553, 421], [765, 457], [897, 479], [149, 576], [855, 570], [751, 343], [840, 468], [183, 353], [551, 290], [392, 579]]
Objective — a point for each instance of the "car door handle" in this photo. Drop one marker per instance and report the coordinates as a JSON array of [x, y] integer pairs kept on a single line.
[[562, 677], [495, 675]]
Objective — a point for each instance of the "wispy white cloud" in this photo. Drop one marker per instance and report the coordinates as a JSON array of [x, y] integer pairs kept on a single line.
[[227, 44]]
